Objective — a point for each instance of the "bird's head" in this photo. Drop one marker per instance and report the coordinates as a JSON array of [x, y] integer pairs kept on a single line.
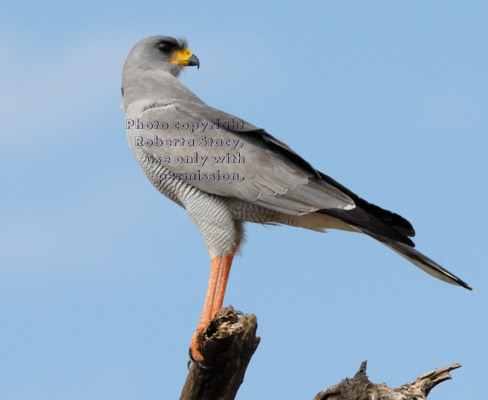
[[161, 53]]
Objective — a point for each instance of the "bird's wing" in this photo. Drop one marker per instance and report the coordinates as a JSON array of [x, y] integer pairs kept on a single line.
[[224, 155], [274, 176]]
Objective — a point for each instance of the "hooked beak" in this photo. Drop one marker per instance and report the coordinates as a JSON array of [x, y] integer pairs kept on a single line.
[[186, 58]]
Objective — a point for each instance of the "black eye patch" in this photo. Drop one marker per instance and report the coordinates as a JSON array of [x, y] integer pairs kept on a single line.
[[167, 46]]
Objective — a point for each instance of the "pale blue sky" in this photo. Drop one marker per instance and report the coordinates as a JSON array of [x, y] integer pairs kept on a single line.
[[102, 279]]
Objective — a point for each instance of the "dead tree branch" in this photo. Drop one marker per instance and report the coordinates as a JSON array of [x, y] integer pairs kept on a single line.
[[360, 387]]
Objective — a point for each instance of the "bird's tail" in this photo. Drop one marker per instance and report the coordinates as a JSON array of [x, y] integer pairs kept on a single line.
[[393, 231], [419, 259]]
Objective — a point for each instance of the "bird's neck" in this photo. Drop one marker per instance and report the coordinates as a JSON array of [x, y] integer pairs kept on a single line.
[[154, 85]]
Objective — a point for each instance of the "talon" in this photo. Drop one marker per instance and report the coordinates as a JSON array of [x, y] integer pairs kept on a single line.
[[200, 365], [193, 360]]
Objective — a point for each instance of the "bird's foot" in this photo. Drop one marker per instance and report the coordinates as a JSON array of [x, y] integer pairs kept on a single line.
[[195, 345]]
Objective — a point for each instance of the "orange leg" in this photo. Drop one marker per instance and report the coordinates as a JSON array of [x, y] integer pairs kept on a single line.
[[207, 309], [224, 276]]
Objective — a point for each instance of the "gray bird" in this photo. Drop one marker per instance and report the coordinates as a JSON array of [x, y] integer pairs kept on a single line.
[[225, 171]]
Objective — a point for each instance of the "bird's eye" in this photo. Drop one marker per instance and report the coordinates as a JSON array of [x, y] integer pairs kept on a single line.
[[165, 47]]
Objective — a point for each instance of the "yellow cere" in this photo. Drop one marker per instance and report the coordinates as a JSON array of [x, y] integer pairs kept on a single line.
[[182, 56]]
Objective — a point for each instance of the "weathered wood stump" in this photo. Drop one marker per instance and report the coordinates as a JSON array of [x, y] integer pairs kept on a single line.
[[227, 347]]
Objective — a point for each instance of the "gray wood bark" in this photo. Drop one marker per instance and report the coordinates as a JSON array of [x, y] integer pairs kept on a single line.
[[360, 387]]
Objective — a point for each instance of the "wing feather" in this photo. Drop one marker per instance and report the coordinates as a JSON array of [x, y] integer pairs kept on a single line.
[[259, 169]]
